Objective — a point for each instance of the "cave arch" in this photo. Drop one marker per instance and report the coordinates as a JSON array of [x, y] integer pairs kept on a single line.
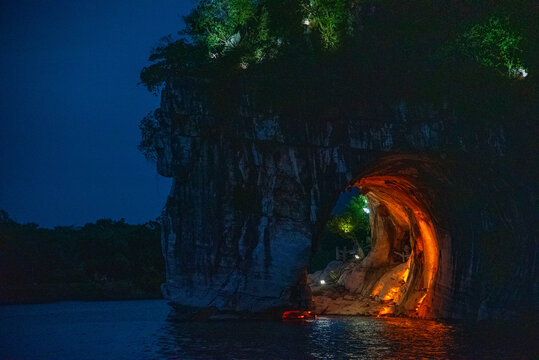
[[394, 206], [401, 190]]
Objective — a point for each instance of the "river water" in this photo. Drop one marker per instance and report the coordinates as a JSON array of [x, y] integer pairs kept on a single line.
[[139, 330]]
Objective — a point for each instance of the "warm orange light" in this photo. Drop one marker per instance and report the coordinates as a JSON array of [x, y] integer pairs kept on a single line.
[[405, 274], [377, 290], [391, 293], [385, 310], [420, 302], [400, 197], [430, 250]]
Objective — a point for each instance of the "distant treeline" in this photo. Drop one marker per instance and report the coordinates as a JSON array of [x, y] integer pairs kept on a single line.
[[103, 260]]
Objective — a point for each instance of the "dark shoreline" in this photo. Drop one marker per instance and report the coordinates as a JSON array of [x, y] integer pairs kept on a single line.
[[48, 293]]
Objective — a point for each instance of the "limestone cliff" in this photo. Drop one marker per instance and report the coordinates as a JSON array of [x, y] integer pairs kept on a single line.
[[252, 191]]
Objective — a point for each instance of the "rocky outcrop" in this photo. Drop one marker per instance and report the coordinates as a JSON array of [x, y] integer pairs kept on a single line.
[[251, 193]]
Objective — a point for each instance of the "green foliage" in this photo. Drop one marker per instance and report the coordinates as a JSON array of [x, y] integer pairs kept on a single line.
[[353, 223], [350, 228], [149, 129], [172, 58], [332, 18], [494, 44], [218, 24], [223, 36], [353, 53], [88, 262]]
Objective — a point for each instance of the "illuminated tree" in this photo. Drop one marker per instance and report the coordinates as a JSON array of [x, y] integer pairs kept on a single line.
[[332, 18], [494, 44], [350, 228], [218, 24], [353, 223]]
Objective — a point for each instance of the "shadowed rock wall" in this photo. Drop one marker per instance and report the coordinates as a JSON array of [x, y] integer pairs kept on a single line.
[[252, 191]]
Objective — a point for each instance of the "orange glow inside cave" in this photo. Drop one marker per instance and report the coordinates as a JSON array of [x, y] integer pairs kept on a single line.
[[391, 287], [405, 274], [407, 288], [391, 294], [386, 310], [420, 301]]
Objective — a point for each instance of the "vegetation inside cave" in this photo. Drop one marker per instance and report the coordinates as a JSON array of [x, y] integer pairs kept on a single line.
[[347, 228]]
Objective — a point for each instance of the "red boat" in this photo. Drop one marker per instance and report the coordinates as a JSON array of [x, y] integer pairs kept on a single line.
[[298, 315]]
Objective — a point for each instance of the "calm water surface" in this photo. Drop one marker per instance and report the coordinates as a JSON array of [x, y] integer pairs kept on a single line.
[[139, 330]]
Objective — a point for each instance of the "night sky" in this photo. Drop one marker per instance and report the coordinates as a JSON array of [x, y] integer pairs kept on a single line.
[[70, 107]]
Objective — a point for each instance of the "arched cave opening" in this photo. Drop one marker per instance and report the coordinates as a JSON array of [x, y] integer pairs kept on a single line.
[[398, 274]]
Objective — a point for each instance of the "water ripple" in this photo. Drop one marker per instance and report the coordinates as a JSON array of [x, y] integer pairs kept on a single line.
[[139, 330]]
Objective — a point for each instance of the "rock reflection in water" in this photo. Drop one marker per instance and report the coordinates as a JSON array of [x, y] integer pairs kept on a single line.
[[325, 338], [329, 338], [137, 330]]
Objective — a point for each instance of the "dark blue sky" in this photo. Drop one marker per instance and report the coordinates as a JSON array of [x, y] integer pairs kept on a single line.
[[70, 107]]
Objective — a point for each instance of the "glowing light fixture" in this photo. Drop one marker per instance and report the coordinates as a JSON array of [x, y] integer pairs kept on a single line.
[[366, 209], [322, 282], [356, 256], [306, 22]]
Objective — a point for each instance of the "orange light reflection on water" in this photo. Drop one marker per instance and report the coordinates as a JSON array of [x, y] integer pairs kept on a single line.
[[438, 336]]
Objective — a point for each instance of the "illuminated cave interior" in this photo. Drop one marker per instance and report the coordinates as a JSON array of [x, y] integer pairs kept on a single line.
[[385, 282], [398, 218]]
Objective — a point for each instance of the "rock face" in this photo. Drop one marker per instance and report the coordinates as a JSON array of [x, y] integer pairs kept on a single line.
[[252, 192]]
